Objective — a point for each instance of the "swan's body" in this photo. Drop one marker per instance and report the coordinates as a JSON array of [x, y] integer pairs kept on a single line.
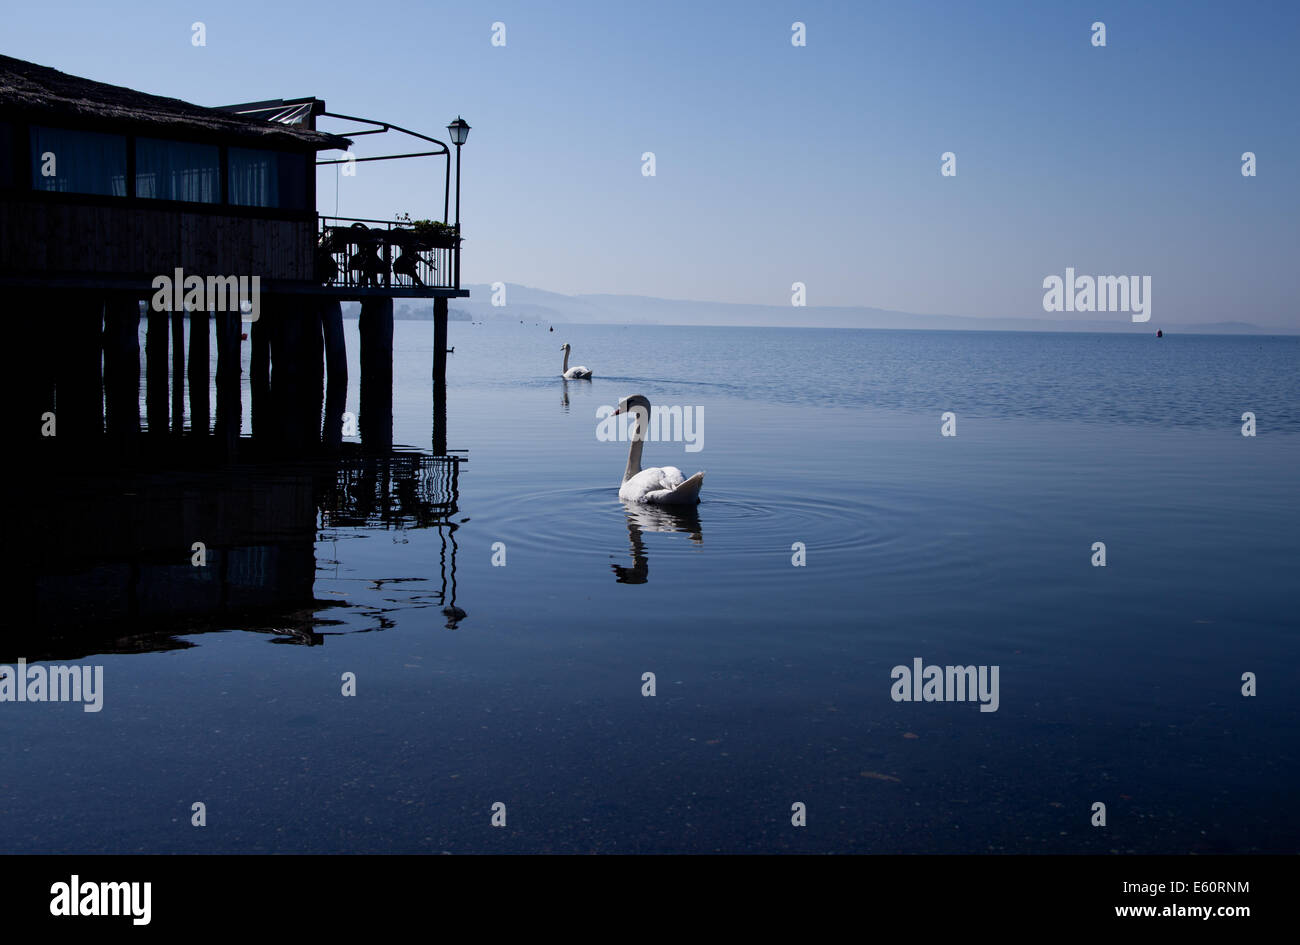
[[658, 485], [573, 373], [662, 485]]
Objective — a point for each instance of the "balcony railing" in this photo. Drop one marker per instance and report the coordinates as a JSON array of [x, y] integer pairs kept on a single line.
[[383, 254]]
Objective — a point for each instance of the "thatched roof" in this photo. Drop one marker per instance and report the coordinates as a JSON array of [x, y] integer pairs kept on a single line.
[[45, 94]]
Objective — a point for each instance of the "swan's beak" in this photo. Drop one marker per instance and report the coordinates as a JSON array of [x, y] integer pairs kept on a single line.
[[617, 410]]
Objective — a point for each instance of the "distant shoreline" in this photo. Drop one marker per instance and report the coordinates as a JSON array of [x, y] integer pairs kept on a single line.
[[527, 304]]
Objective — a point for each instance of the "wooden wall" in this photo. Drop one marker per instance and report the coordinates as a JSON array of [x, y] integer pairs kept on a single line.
[[45, 237]]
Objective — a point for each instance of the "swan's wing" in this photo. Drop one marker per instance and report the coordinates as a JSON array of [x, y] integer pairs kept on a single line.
[[670, 477], [644, 482], [681, 493]]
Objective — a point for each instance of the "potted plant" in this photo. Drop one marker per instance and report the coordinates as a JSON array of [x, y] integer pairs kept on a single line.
[[431, 234]]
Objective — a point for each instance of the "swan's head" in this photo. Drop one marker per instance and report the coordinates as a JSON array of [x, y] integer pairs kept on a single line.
[[630, 402], [564, 347]]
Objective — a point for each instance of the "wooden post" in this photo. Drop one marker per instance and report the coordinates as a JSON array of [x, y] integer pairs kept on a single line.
[[122, 365], [34, 329], [297, 367], [155, 356], [78, 382], [286, 377], [230, 406], [259, 370], [178, 372], [377, 373], [440, 377], [336, 362], [313, 377], [200, 366]]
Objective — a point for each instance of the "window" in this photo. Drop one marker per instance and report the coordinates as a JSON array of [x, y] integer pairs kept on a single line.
[[78, 162], [267, 179], [177, 170]]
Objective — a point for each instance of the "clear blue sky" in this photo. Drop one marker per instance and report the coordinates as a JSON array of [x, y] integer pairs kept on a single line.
[[778, 164]]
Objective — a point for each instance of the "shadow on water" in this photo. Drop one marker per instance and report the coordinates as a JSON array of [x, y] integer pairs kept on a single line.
[[129, 559]]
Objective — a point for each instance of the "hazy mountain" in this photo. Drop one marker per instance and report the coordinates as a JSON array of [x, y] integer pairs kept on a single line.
[[417, 310], [538, 306], [527, 304]]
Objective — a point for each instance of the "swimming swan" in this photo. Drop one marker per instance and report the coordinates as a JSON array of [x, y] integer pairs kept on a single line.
[[658, 485], [572, 373]]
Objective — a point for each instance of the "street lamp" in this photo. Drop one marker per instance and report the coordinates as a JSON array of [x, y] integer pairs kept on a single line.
[[459, 131]]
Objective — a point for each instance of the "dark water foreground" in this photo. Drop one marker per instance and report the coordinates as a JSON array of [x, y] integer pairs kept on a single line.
[[521, 684]]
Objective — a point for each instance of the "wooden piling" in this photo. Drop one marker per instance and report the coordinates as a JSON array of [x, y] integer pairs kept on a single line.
[[259, 370], [155, 356], [286, 376], [230, 406], [198, 374], [79, 390], [33, 388], [122, 365], [178, 372], [376, 328], [313, 370], [336, 364], [440, 377]]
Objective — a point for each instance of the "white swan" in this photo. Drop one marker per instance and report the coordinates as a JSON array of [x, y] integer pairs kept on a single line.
[[572, 373], [658, 485]]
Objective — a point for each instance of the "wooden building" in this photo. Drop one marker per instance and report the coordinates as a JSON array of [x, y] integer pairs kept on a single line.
[[110, 198]]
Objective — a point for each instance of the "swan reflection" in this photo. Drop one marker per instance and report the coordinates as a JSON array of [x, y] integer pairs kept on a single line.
[[653, 518]]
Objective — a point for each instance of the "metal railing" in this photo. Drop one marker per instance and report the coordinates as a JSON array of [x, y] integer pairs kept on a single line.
[[399, 490], [357, 253]]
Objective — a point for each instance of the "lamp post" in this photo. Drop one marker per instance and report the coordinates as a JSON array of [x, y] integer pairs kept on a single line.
[[459, 131]]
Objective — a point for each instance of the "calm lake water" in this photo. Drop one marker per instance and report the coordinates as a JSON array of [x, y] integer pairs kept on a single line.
[[1119, 684]]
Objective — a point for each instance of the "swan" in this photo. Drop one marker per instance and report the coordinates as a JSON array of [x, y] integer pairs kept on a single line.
[[658, 485], [573, 373]]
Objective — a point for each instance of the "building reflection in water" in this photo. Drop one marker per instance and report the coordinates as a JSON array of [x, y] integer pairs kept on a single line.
[[110, 561]]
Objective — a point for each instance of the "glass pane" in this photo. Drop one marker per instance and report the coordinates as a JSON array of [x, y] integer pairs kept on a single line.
[[177, 170], [254, 178], [78, 162]]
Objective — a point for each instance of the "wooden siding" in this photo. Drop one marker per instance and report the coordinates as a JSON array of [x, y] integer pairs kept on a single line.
[[70, 239]]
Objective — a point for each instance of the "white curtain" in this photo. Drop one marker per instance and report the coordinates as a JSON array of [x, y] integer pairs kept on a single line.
[[177, 170], [254, 178]]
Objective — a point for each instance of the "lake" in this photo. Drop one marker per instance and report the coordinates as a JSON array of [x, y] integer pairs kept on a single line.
[[499, 651]]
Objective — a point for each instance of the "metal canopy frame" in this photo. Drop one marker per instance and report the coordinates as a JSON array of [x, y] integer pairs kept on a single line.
[[381, 127]]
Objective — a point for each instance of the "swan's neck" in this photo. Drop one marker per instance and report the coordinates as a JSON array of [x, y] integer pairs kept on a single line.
[[565, 369], [639, 425]]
